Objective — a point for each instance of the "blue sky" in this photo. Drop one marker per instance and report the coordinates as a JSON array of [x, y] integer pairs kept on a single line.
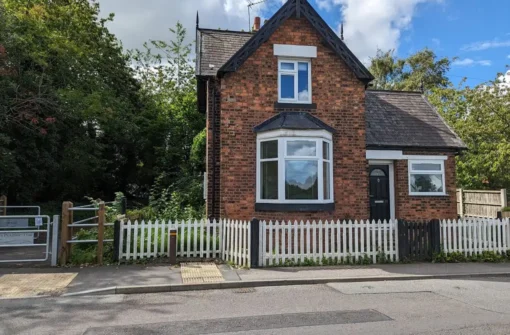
[[476, 31]]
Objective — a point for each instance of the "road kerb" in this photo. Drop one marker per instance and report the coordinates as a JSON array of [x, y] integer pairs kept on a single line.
[[165, 288]]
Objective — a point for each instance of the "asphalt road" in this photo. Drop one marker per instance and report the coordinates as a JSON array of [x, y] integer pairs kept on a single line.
[[408, 307]]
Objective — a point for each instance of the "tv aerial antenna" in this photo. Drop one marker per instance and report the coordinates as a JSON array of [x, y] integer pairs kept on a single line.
[[251, 3]]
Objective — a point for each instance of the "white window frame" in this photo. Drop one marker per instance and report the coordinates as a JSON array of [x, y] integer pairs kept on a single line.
[[294, 73], [283, 136], [410, 170]]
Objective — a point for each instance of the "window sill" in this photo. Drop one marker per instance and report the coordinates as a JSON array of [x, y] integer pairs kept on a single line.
[[428, 195], [283, 207], [294, 105]]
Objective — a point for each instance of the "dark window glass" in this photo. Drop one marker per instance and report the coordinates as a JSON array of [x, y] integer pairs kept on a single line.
[[269, 180]]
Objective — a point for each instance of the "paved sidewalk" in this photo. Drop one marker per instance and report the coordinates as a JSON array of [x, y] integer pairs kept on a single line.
[[383, 270], [165, 278]]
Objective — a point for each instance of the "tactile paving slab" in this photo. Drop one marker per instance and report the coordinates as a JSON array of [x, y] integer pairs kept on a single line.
[[34, 284], [197, 273]]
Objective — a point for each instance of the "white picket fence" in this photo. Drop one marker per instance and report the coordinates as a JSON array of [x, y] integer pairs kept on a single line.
[[225, 239], [299, 242], [237, 242], [335, 241], [472, 236]]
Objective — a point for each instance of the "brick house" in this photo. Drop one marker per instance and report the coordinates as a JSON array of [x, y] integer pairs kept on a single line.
[[293, 132]]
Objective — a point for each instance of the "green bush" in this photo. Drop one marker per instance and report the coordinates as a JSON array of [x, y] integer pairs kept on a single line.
[[458, 257]]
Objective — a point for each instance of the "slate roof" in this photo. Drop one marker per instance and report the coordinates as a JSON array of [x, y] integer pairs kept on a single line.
[[215, 47], [406, 120], [293, 120], [298, 8]]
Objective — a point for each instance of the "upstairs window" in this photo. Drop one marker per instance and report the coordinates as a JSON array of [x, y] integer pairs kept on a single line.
[[426, 177], [294, 81]]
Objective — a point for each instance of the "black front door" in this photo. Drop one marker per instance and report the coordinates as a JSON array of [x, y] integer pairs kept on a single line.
[[379, 192]]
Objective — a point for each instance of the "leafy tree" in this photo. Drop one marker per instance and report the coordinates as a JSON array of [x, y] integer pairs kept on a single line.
[[167, 75], [420, 70], [73, 119], [481, 117]]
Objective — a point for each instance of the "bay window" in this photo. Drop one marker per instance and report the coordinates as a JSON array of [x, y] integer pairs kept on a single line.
[[426, 177], [294, 169]]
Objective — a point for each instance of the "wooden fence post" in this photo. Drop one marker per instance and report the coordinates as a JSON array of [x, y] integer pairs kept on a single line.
[[460, 198], [503, 198], [67, 218], [100, 231], [3, 202]]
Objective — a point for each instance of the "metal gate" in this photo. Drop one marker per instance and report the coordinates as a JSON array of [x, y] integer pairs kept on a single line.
[[28, 238]]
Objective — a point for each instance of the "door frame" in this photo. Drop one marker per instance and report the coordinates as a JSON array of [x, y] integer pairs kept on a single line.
[[391, 182]]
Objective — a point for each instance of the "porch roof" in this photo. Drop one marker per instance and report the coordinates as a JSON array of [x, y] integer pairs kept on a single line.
[[293, 120]]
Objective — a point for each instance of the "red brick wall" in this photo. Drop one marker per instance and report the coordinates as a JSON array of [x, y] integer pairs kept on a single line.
[[213, 149], [425, 207], [247, 99]]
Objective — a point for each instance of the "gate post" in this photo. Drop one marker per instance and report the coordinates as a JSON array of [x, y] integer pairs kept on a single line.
[[67, 218], [436, 235], [100, 232], [403, 240], [54, 240], [255, 243], [3, 202]]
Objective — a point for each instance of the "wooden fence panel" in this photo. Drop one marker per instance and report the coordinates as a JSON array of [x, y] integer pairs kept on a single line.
[[480, 203], [418, 241]]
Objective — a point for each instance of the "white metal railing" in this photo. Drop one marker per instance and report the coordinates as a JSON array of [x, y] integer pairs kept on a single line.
[[50, 230]]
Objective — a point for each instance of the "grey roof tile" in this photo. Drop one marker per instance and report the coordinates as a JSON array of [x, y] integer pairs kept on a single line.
[[406, 119], [217, 46]]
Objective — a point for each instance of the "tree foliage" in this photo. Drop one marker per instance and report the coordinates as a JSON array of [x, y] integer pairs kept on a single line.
[[78, 118], [479, 115], [422, 70]]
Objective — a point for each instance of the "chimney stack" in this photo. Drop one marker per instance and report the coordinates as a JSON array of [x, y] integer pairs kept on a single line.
[[256, 24]]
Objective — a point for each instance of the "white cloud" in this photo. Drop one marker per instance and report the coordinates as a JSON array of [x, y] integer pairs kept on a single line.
[[484, 45], [504, 81], [139, 21], [436, 41], [373, 24], [471, 62], [324, 4], [508, 56], [369, 24]]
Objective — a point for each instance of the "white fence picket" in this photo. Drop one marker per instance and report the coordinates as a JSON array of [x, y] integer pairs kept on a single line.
[[473, 236]]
